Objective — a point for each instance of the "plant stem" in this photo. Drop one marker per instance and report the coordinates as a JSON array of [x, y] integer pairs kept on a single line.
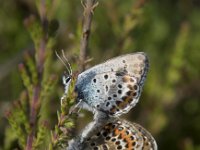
[[33, 117], [89, 7], [36, 101]]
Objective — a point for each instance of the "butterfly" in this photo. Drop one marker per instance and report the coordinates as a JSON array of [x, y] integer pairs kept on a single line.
[[113, 87], [120, 135]]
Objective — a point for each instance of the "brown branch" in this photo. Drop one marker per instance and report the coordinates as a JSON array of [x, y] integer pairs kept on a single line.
[[33, 117], [36, 101], [89, 7], [40, 60]]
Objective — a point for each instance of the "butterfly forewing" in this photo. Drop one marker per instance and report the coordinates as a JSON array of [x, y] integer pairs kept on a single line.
[[113, 92], [136, 64], [115, 85]]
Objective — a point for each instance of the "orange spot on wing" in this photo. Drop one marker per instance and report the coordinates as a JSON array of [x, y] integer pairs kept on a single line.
[[129, 99], [122, 105], [116, 132], [126, 138], [113, 109], [131, 87], [126, 79]]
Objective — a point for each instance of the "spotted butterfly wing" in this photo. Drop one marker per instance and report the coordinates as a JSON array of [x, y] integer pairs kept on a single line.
[[115, 95], [120, 135], [114, 86], [116, 135], [149, 142]]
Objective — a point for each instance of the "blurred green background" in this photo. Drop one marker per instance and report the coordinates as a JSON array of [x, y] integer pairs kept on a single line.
[[167, 30]]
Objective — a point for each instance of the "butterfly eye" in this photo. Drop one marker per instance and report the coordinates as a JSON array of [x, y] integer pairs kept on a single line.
[[67, 79]]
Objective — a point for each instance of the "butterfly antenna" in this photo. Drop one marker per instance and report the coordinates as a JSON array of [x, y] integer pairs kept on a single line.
[[67, 66], [70, 68]]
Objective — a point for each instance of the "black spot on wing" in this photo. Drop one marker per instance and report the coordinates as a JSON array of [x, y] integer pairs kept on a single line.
[[106, 76], [106, 88]]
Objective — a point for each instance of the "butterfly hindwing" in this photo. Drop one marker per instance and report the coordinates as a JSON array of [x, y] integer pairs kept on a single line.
[[148, 140], [117, 135]]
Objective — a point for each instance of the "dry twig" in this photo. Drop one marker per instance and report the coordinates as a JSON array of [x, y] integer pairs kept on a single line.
[[89, 6]]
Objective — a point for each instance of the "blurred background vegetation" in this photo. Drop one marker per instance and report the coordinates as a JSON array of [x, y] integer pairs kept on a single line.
[[167, 30]]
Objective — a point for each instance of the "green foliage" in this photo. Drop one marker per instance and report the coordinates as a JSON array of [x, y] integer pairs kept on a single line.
[[168, 31], [18, 120], [62, 132], [28, 121], [41, 135]]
